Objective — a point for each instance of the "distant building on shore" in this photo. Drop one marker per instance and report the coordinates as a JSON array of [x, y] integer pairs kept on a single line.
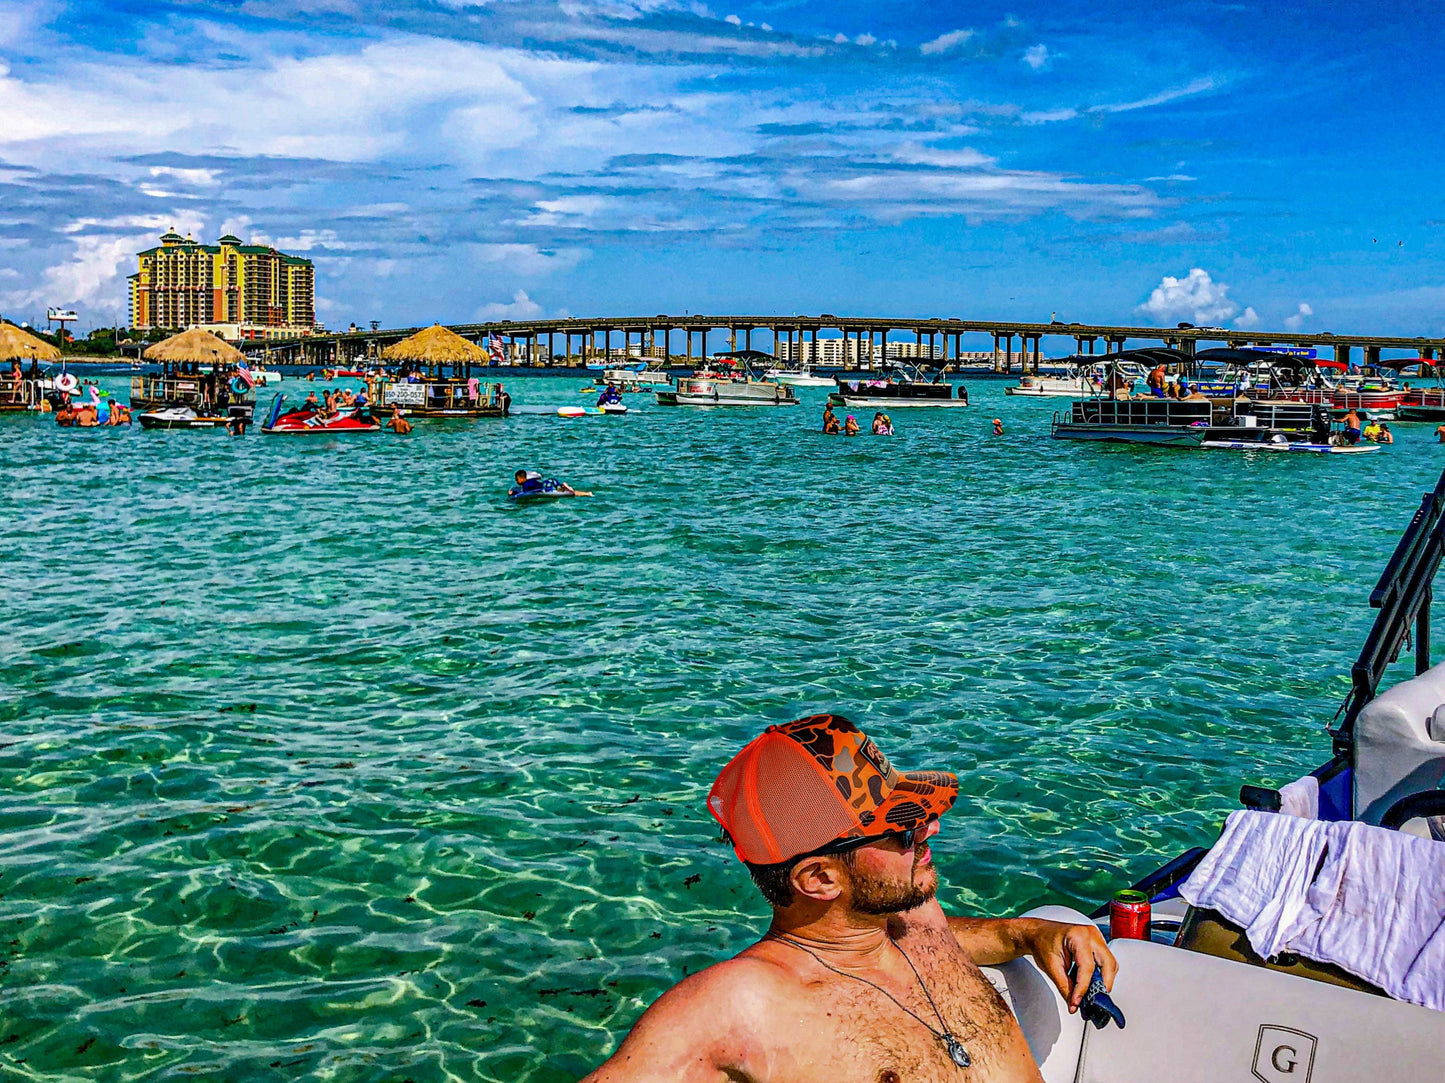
[[238, 290], [847, 352]]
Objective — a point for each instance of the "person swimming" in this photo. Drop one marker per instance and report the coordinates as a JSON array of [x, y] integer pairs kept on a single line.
[[998, 426]]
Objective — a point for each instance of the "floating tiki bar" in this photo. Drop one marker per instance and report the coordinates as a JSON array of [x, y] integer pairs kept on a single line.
[[198, 370], [22, 392], [432, 377]]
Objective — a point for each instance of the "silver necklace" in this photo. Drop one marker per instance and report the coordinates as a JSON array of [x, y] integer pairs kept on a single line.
[[956, 1051]]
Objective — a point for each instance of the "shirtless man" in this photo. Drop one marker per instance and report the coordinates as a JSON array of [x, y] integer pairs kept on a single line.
[[861, 978]]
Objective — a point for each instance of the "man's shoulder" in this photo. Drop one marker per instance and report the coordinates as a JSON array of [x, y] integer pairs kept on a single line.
[[749, 982]]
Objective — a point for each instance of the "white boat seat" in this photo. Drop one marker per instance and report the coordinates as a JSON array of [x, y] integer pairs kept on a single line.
[[1054, 1036], [1194, 1018], [1400, 744]]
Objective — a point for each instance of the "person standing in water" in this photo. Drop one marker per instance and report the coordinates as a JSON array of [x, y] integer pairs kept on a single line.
[[998, 426], [830, 420], [861, 976]]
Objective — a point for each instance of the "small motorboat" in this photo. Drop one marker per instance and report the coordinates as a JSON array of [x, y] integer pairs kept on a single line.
[[180, 417], [304, 421]]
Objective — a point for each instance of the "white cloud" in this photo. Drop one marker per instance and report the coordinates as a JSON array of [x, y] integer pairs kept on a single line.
[[521, 307], [945, 42], [199, 178], [1248, 318], [965, 158], [735, 20], [865, 39], [102, 252], [1295, 322], [1037, 57], [1188, 90], [1196, 297], [840, 38]]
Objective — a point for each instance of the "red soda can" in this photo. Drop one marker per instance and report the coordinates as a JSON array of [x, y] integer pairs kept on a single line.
[[1129, 915]]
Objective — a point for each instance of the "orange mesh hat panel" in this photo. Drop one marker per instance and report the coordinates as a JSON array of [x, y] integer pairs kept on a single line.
[[800, 786]]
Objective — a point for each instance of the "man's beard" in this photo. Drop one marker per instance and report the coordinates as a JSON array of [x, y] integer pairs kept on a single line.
[[880, 896]]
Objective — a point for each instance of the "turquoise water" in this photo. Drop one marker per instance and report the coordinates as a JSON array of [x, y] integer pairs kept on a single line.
[[322, 760]]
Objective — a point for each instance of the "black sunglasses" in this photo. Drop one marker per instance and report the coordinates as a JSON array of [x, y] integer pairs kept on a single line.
[[843, 846]]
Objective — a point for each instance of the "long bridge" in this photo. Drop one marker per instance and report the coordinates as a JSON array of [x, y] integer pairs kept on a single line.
[[855, 340]]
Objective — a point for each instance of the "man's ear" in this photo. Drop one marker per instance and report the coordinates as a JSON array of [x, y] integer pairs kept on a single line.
[[819, 878]]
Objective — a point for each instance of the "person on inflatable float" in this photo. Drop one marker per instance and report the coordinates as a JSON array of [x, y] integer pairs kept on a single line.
[[861, 975], [529, 481]]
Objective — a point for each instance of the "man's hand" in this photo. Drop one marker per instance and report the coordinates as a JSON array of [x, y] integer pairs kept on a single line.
[[1055, 946]]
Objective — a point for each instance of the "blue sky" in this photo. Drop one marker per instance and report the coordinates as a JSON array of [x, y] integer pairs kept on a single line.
[[1222, 163]]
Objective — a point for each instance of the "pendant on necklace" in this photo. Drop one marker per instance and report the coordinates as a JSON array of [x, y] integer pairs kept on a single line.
[[956, 1051]]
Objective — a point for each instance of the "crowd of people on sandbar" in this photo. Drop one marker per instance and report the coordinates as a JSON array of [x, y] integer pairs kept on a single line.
[[1371, 429], [882, 424], [89, 414]]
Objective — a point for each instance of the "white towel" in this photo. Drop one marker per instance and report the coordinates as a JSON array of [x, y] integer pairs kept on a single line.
[[1301, 798], [1257, 873], [1376, 907]]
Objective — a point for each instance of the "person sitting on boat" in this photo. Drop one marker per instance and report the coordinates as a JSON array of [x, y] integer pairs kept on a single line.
[[850, 427], [1353, 428], [861, 974], [830, 420], [311, 403], [348, 397], [610, 396]]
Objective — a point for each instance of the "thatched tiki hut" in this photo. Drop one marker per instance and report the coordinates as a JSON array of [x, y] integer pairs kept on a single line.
[[181, 381], [434, 347], [193, 348], [18, 345]]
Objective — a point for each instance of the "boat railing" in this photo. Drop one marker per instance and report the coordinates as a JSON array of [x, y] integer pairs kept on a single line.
[[21, 392], [1145, 411], [1286, 414], [1403, 597]]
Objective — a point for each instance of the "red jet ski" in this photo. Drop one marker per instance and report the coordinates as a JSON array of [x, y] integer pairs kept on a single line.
[[302, 420]]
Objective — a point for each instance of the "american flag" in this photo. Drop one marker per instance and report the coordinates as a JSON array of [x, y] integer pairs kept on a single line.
[[499, 355], [244, 371]]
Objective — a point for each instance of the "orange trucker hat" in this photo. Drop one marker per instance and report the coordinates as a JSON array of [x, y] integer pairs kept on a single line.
[[798, 787]]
